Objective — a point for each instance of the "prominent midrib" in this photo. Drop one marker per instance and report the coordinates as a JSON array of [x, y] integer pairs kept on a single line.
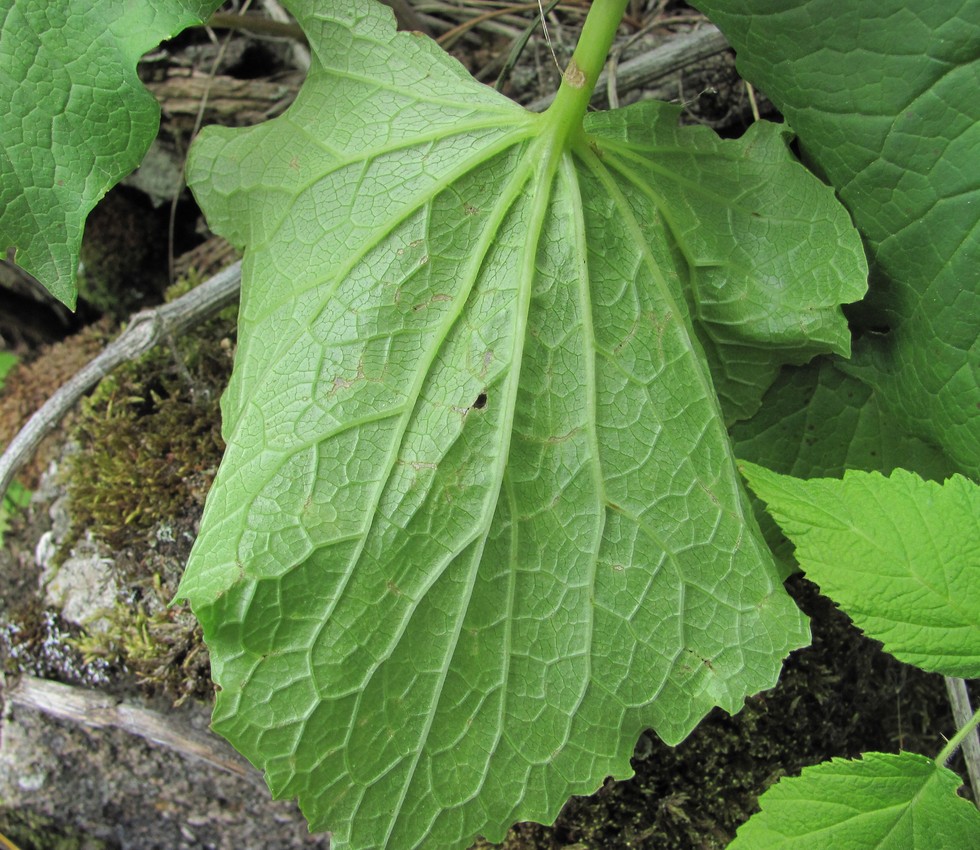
[[603, 175], [589, 351], [414, 394], [543, 171]]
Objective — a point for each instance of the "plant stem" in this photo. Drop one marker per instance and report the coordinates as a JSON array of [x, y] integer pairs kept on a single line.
[[951, 746], [959, 700], [579, 79]]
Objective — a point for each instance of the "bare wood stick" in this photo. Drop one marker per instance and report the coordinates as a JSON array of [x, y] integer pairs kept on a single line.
[[100, 711], [145, 330], [959, 699], [679, 52]]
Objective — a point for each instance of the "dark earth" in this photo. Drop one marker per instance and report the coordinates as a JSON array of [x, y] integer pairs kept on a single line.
[[120, 487]]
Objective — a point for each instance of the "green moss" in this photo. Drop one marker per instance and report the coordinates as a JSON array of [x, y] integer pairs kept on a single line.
[[31, 831], [149, 439], [162, 646], [149, 445]]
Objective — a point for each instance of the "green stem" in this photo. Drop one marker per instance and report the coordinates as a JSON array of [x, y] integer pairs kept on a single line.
[[953, 744], [579, 79]]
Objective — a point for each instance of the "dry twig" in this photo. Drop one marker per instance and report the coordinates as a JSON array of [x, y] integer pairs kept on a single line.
[[681, 51], [98, 710], [145, 330]]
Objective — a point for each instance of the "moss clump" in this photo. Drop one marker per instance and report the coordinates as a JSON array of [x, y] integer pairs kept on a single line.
[[162, 646], [32, 831], [149, 439], [148, 446]]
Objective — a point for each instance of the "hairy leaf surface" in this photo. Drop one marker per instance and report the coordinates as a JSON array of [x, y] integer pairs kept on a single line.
[[478, 523], [900, 555], [76, 118], [881, 801], [883, 98]]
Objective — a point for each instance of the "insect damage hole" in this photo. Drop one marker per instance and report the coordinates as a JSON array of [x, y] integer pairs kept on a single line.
[[481, 402]]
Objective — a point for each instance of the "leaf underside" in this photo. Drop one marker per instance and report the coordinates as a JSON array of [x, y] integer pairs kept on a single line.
[[882, 801], [76, 118], [900, 555], [478, 523]]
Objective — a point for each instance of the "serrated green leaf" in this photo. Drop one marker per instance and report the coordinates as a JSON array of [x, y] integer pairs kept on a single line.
[[882, 801], [478, 523], [76, 118], [883, 98], [900, 555]]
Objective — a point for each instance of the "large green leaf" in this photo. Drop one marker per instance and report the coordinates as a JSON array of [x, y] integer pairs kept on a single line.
[[900, 555], [819, 421], [76, 118], [478, 523], [883, 98], [882, 801]]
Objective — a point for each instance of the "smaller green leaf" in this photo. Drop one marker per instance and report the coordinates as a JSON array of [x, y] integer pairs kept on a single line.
[[882, 801], [900, 555]]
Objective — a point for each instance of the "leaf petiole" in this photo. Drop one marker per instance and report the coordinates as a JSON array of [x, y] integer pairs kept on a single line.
[[579, 79], [953, 744]]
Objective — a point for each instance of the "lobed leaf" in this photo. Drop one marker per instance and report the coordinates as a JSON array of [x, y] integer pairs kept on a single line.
[[478, 523], [883, 98], [766, 254], [898, 554], [882, 801], [76, 120]]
